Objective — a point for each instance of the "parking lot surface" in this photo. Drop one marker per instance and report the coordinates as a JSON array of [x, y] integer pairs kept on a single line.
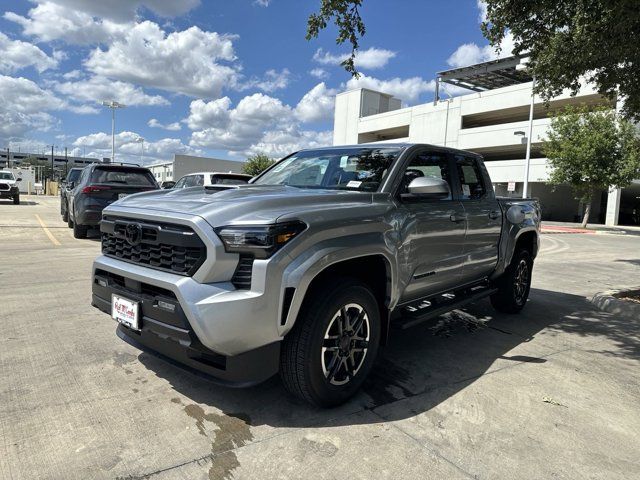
[[551, 393]]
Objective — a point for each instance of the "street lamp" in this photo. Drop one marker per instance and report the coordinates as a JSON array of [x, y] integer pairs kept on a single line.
[[112, 104], [523, 66], [140, 140]]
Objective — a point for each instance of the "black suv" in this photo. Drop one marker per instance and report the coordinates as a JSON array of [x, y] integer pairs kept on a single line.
[[100, 185], [67, 185]]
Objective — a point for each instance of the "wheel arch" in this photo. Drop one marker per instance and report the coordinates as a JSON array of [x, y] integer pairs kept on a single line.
[[374, 270]]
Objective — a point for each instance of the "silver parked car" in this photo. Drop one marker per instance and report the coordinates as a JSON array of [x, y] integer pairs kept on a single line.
[[304, 270]]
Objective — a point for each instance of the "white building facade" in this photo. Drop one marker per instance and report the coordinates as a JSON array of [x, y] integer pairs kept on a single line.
[[493, 122]]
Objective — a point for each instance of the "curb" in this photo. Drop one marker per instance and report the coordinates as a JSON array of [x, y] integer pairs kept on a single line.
[[607, 302], [553, 231]]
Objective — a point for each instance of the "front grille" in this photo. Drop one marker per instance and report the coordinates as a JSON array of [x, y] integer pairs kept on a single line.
[[4, 186], [242, 276], [167, 247]]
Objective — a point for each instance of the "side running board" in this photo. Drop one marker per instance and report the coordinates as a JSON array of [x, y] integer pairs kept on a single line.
[[425, 309]]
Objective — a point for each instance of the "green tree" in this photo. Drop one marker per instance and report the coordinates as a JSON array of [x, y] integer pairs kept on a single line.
[[257, 164], [592, 150], [573, 40], [346, 17]]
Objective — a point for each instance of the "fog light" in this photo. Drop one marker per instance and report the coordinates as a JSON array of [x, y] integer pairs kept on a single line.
[[101, 282]]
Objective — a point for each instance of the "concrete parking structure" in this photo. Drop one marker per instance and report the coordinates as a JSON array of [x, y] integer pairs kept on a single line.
[[553, 392]]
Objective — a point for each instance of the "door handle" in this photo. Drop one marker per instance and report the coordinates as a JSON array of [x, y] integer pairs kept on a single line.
[[494, 214], [458, 218]]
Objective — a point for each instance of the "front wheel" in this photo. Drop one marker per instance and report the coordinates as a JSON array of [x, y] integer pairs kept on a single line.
[[65, 214], [16, 199], [514, 284], [330, 351]]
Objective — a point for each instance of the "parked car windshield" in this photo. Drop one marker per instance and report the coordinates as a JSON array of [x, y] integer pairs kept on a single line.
[[124, 176], [6, 176], [349, 168]]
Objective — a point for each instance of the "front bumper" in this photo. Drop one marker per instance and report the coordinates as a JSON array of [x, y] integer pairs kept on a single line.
[[170, 333], [9, 193]]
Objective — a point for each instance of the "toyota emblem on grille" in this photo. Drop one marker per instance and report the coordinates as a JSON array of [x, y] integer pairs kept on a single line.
[[133, 233]]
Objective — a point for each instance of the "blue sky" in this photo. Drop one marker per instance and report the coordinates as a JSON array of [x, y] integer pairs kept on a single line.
[[209, 77]]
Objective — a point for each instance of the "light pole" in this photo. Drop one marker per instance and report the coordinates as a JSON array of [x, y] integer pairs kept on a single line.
[[140, 140], [112, 104], [523, 66]]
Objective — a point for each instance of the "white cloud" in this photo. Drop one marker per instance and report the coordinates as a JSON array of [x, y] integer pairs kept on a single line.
[[279, 143], [317, 104], [262, 3], [319, 73], [273, 80], [129, 148], [173, 127], [96, 89], [17, 55], [50, 21], [259, 123], [407, 89], [371, 58], [24, 106], [472, 53], [183, 62], [235, 129]]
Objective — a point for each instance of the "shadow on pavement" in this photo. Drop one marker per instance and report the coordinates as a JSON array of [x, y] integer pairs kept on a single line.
[[428, 363]]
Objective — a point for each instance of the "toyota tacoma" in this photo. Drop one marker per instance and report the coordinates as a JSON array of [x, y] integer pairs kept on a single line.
[[307, 270]]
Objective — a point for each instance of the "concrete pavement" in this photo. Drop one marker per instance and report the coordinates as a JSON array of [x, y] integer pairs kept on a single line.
[[551, 393]]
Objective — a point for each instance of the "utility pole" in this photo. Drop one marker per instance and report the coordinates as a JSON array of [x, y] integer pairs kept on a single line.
[[8, 160], [66, 163]]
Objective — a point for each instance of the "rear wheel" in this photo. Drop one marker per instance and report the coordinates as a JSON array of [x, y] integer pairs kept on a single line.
[[332, 347], [79, 231], [65, 213], [514, 284]]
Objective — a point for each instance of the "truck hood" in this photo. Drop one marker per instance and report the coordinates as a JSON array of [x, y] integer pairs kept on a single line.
[[8, 182], [243, 204]]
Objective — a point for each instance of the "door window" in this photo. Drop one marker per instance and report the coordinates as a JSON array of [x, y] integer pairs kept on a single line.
[[180, 183], [427, 164], [471, 181]]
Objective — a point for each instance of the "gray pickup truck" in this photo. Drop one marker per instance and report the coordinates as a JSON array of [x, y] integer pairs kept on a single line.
[[307, 270]]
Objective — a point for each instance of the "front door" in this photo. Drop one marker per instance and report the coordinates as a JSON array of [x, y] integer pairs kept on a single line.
[[433, 231], [484, 219]]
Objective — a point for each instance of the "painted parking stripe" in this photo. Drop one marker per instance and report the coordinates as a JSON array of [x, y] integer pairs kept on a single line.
[[53, 239]]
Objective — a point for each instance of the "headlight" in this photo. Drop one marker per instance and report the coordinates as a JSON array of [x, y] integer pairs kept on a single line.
[[260, 240]]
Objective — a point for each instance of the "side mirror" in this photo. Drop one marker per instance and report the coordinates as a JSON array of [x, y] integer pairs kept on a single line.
[[428, 188], [70, 185], [19, 179]]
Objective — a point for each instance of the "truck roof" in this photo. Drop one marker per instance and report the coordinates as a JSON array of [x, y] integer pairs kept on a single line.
[[392, 145]]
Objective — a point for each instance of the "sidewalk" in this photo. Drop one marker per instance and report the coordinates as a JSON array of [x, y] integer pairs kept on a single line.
[[569, 227]]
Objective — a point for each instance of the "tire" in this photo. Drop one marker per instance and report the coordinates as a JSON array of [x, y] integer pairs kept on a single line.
[[314, 363], [514, 284], [79, 231], [65, 214], [69, 221], [16, 199]]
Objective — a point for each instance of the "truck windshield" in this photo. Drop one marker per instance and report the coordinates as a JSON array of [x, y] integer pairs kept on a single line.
[[361, 169], [6, 176]]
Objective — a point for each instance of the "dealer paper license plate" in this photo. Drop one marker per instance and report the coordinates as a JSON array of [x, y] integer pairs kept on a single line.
[[125, 311]]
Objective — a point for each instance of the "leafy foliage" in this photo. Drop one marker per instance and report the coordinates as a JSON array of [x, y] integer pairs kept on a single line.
[[592, 150], [257, 164], [346, 16], [570, 40]]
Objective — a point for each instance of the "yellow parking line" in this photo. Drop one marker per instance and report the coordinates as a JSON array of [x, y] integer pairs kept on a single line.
[[53, 239]]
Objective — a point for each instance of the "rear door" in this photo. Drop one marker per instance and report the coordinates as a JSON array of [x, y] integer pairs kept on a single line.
[[483, 215], [433, 231]]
